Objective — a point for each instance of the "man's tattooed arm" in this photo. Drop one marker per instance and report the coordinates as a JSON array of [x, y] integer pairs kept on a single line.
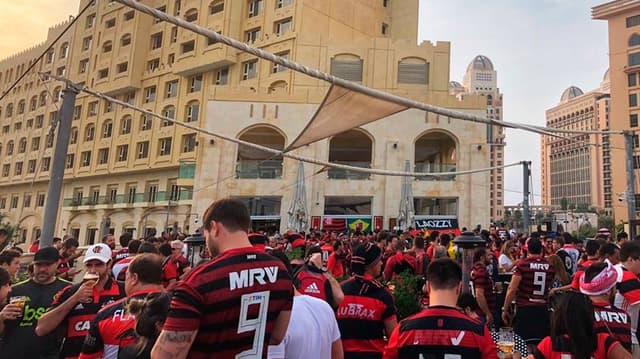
[[173, 345]]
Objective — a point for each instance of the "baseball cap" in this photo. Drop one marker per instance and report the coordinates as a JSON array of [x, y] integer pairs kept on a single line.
[[99, 251], [46, 255]]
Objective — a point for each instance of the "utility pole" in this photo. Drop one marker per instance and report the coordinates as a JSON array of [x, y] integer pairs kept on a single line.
[[57, 168], [631, 180], [526, 172]]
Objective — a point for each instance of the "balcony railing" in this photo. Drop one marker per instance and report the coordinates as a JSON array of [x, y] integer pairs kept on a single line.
[[256, 169], [187, 170], [340, 174], [160, 196], [435, 168]]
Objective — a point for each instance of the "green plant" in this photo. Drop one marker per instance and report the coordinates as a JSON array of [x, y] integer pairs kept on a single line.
[[406, 293]]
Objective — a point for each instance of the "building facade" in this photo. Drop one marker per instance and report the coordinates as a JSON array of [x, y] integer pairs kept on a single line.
[[576, 169], [129, 172], [482, 79], [623, 18]]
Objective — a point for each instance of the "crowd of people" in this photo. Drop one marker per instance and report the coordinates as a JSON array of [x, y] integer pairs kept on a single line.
[[323, 295]]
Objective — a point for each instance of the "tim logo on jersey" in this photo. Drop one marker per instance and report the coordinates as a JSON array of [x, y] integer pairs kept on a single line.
[[250, 277]]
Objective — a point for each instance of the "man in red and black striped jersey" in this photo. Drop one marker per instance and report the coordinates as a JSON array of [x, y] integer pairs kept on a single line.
[[530, 287], [599, 283], [77, 305], [113, 328], [442, 330], [482, 285], [232, 306], [367, 310], [628, 296]]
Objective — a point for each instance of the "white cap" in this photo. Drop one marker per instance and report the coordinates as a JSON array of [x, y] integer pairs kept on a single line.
[[99, 251]]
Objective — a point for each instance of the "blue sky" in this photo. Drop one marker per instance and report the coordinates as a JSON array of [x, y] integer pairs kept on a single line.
[[538, 47]]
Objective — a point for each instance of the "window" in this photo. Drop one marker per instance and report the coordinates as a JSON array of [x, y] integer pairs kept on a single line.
[[129, 97], [5, 170], [131, 193], [634, 59], [281, 27], [31, 166], [69, 161], [634, 40], [89, 133], [164, 146], [169, 112], [104, 73], [39, 121], [385, 29], [35, 143], [633, 120], [216, 7], [188, 46], [149, 94], [14, 201], [33, 104], [191, 15], [279, 68], [30, 123], [153, 65], [632, 80], [49, 57], [93, 108], [5, 129], [26, 201], [145, 122], [103, 156], [143, 149], [17, 126], [250, 36], [255, 8], [171, 58], [3, 202], [86, 43], [633, 21], [188, 143], [73, 136], [195, 83], [633, 100], [112, 192], [156, 41], [21, 106], [413, 71], [177, 7], [125, 40], [110, 23], [123, 152], [10, 108], [348, 67], [283, 3], [45, 164], [107, 47], [64, 50], [107, 129], [385, 3], [161, 9], [17, 170], [40, 200], [129, 15], [174, 34], [171, 89], [222, 76], [123, 67], [10, 148], [152, 191], [85, 158], [91, 20], [84, 65], [193, 111], [249, 69], [49, 140], [125, 125]]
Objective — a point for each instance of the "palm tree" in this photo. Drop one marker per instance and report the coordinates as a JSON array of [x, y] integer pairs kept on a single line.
[[12, 231]]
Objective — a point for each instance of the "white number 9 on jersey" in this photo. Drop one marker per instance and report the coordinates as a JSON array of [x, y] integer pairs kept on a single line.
[[539, 279], [258, 324]]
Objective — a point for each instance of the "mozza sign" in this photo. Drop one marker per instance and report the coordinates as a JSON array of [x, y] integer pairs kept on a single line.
[[435, 224]]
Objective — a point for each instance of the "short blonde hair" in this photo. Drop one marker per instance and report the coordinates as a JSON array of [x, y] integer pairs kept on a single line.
[[177, 244]]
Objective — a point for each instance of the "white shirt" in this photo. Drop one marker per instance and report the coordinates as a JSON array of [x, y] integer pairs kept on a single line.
[[312, 330], [504, 260]]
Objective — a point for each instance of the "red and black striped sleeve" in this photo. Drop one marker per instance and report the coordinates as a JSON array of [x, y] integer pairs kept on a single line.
[[629, 287], [185, 310]]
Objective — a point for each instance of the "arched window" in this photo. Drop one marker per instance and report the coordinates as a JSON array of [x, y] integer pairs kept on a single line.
[[413, 71], [10, 148], [43, 99], [73, 136], [57, 94], [252, 163], [21, 106], [191, 15], [125, 125], [89, 132], [64, 50], [9, 110], [634, 40], [107, 129], [169, 112], [22, 145], [435, 151], [354, 148], [278, 87], [33, 104], [347, 66], [107, 46], [216, 7], [192, 112], [125, 40]]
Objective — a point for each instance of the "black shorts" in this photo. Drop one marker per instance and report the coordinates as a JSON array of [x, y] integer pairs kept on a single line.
[[532, 323]]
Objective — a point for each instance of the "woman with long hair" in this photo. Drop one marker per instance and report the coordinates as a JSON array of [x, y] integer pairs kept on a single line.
[[507, 259], [573, 335], [150, 314], [561, 278]]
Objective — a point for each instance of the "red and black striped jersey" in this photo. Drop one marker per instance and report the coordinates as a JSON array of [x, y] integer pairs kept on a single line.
[[613, 321], [440, 332], [559, 347], [537, 275], [78, 320], [480, 279], [628, 299], [366, 306], [112, 329], [575, 283], [233, 302]]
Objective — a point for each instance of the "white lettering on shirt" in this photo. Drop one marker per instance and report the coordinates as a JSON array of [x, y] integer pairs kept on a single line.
[[248, 277]]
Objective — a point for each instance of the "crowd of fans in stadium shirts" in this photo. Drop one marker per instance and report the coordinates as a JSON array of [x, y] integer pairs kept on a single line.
[[322, 295]]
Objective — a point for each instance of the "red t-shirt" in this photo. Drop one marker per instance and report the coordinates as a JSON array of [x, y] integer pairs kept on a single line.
[[575, 283], [558, 347], [480, 278], [335, 266], [169, 272]]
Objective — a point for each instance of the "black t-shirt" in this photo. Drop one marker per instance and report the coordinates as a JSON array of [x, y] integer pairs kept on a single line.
[[19, 339]]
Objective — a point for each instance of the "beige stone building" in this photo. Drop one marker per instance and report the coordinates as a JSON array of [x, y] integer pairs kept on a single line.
[[131, 173], [578, 167], [623, 17], [482, 79]]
